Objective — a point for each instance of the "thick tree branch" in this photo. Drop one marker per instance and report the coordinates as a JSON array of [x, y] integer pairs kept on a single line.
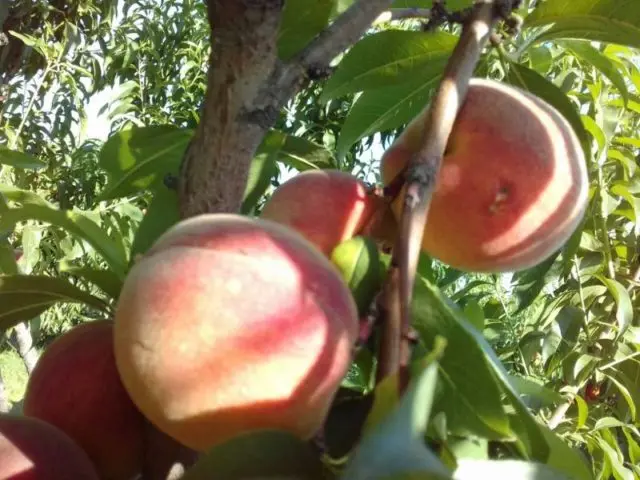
[[247, 88]]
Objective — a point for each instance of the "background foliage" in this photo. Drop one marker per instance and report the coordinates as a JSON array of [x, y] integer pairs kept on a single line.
[[554, 348]]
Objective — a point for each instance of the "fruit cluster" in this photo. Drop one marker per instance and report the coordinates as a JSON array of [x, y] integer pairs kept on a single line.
[[230, 324]]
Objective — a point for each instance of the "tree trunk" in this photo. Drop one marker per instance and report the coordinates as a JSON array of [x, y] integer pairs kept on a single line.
[[4, 399], [23, 342], [243, 54]]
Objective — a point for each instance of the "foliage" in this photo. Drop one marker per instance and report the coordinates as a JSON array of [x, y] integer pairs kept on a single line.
[[507, 364]]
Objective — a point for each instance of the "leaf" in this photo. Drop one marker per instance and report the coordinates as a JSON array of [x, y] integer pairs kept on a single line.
[[626, 395], [624, 312], [615, 460], [75, 223], [387, 58], [530, 282], [564, 332], [139, 158], [24, 197], [583, 412], [262, 171], [592, 57], [470, 469], [298, 152], [261, 454], [358, 261], [530, 387], [386, 108], [614, 21], [23, 297], [531, 81], [301, 22], [396, 446], [8, 263], [470, 398], [105, 280], [17, 159], [161, 215], [564, 458], [343, 427]]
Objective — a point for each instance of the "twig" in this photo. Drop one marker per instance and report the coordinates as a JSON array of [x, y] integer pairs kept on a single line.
[[421, 176]]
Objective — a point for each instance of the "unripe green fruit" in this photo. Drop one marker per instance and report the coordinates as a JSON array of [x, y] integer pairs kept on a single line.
[[358, 260]]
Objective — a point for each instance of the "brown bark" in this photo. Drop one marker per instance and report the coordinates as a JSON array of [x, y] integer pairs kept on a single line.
[[243, 53], [247, 88], [4, 398], [23, 341]]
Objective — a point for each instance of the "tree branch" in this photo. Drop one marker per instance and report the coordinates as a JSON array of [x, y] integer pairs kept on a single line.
[[422, 173], [247, 88]]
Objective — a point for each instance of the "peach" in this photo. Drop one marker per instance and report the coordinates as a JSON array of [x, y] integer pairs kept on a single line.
[[76, 387], [31, 449], [513, 183], [230, 324], [325, 206]]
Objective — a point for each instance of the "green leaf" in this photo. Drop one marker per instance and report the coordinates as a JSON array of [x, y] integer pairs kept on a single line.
[[77, 224], [139, 158], [564, 458], [531, 388], [530, 282], [563, 335], [387, 58], [583, 412], [8, 263], [262, 171], [17, 159], [161, 215], [385, 109], [396, 446], [23, 297], [531, 81], [626, 395], [593, 58], [471, 399], [615, 461], [23, 197], [469, 469], [261, 454], [298, 152], [624, 312], [613, 21], [105, 280], [301, 22], [358, 260]]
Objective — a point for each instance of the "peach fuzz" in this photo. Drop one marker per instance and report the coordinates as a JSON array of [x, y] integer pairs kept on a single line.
[[230, 324], [512, 186], [325, 206], [76, 387], [31, 449]]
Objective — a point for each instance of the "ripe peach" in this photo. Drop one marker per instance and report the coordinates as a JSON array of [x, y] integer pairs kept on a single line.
[[513, 183], [31, 449], [325, 206], [76, 387], [230, 324]]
